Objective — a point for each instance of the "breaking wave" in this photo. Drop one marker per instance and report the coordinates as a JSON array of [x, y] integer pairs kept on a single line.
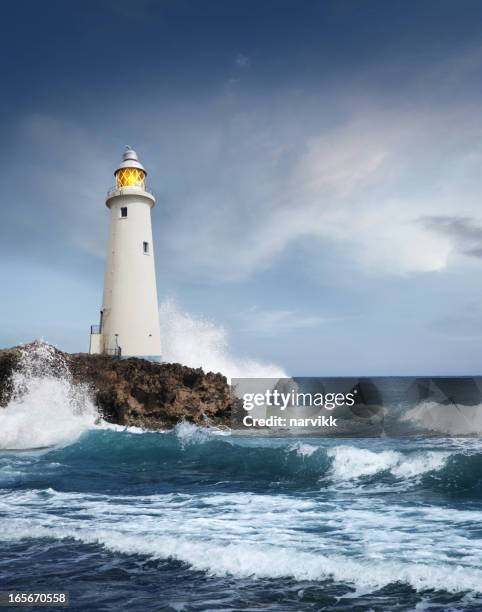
[[445, 419], [46, 407], [257, 561], [351, 463], [210, 456]]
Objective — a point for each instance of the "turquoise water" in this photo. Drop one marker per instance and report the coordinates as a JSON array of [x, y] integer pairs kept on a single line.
[[193, 519]]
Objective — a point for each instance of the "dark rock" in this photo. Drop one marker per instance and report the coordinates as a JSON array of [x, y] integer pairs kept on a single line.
[[138, 392]]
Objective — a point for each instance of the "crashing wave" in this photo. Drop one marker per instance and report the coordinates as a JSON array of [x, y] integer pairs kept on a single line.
[[350, 462], [46, 407], [448, 419]]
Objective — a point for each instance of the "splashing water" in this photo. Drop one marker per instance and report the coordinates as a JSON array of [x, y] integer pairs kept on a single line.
[[351, 463], [199, 343], [46, 407], [449, 419]]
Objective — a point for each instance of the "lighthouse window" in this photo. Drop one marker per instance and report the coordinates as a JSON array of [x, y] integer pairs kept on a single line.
[[124, 212], [146, 247]]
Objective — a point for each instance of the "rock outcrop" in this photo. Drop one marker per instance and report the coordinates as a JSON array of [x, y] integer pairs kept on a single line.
[[138, 392]]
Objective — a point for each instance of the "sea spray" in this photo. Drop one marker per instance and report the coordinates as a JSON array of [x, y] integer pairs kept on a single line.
[[200, 343], [46, 407], [451, 419]]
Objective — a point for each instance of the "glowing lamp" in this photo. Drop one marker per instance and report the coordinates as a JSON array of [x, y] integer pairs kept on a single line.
[[128, 177], [131, 172]]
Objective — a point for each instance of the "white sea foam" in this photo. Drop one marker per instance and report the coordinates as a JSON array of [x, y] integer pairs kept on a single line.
[[420, 463], [255, 561], [46, 407], [200, 343], [350, 462], [262, 536], [450, 419], [101, 424], [188, 433], [302, 449]]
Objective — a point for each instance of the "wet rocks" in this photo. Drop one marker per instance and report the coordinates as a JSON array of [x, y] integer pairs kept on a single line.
[[140, 393]]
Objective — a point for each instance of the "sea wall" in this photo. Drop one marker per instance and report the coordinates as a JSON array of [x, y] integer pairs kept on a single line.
[[138, 392]]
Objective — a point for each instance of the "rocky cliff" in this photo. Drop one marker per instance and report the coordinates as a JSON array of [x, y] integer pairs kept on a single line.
[[138, 392]]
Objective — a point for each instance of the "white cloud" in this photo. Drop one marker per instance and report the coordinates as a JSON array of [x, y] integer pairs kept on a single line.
[[359, 187], [240, 183]]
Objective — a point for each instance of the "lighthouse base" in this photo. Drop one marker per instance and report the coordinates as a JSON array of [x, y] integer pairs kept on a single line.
[[154, 358], [95, 344]]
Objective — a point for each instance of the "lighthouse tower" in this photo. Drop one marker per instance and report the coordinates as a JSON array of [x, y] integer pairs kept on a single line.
[[129, 318]]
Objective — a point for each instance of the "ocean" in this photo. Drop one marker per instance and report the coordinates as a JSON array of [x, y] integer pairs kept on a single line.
[[206, 519]]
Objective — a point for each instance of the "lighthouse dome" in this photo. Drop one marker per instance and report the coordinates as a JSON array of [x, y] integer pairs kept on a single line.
[[130, 172]]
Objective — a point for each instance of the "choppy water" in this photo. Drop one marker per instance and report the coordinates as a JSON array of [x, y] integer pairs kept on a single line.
[[191, 520], [194, 519]]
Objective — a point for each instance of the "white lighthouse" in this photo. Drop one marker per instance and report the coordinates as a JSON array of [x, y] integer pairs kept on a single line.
[[129, 318]]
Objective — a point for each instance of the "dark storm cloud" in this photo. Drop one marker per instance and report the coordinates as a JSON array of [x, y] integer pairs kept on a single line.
[[465, 232]]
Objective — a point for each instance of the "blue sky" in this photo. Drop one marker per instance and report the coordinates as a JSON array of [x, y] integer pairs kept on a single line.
[[317, 167]]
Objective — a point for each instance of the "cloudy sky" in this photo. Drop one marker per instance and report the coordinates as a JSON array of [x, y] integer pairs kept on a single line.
[[317, 167]]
